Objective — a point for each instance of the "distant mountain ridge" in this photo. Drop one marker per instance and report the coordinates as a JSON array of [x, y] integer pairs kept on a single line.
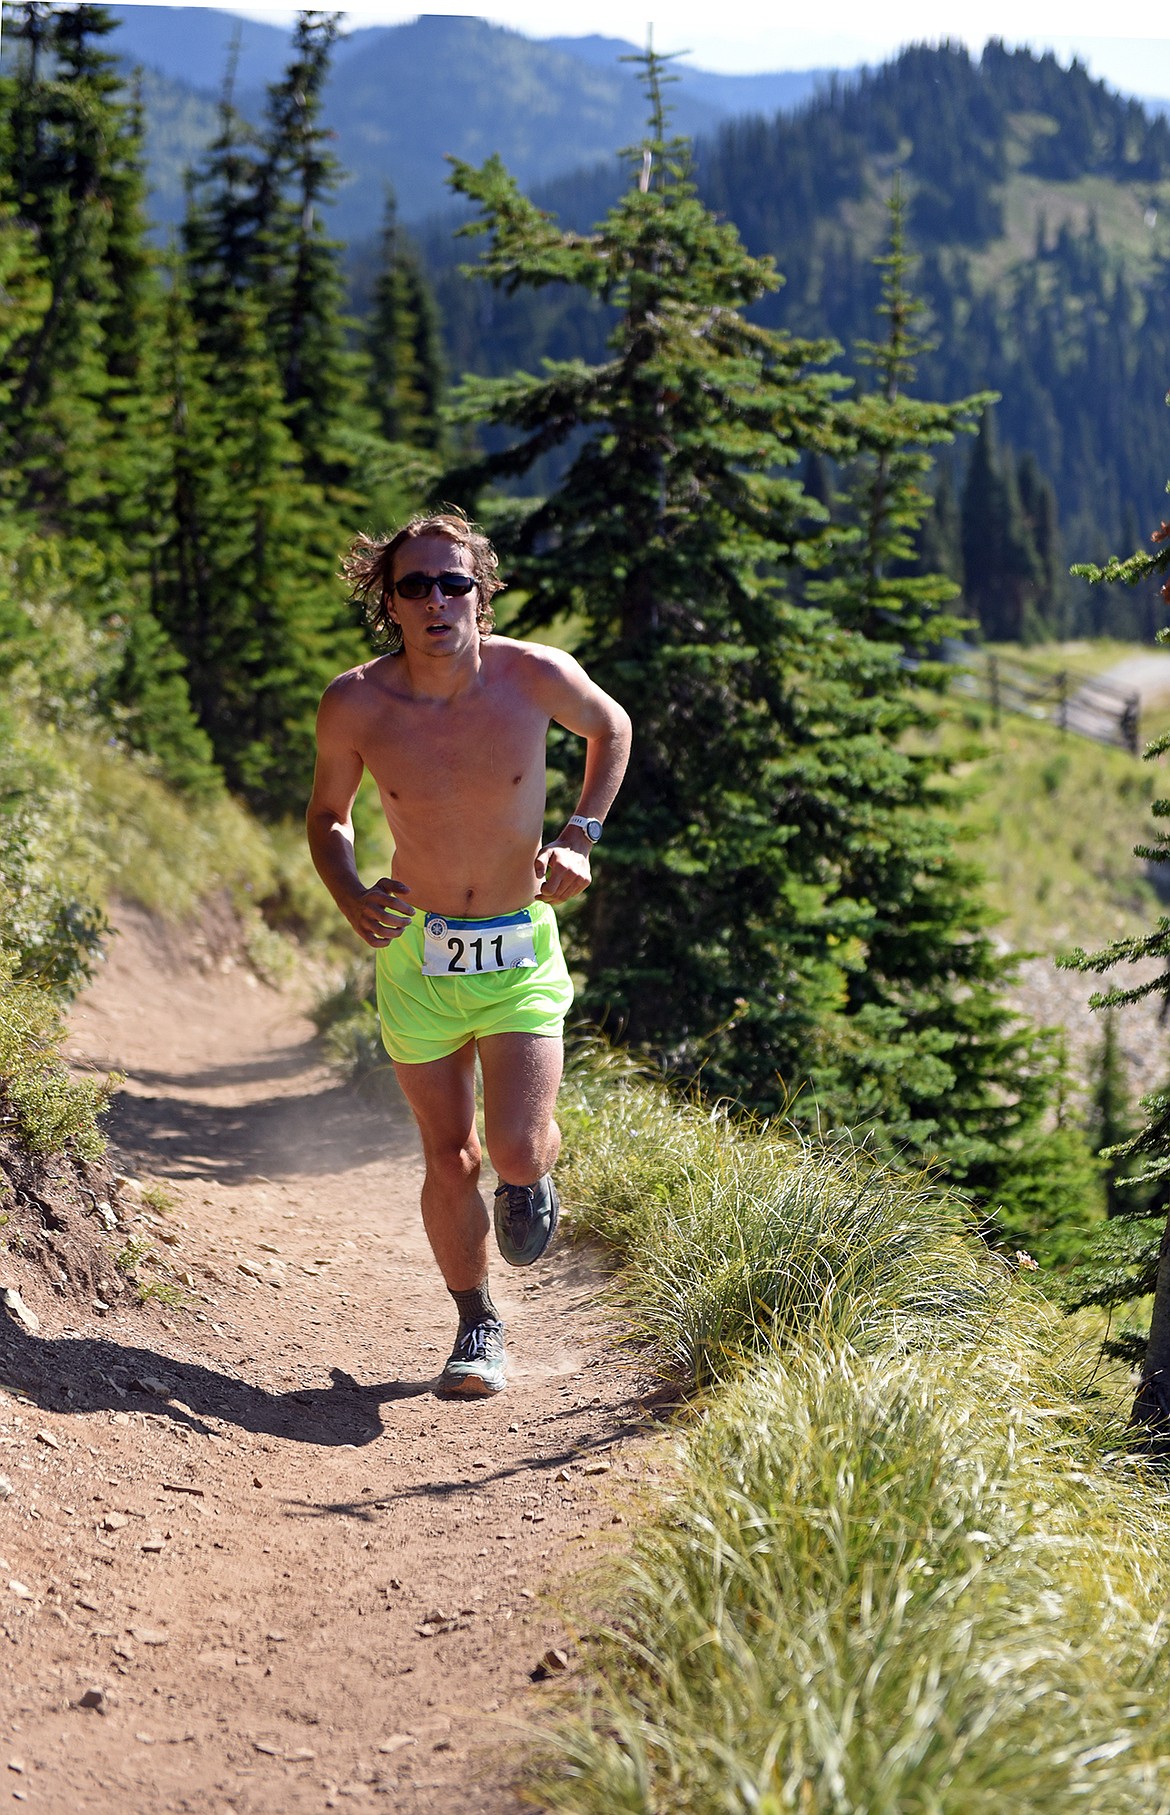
[[548, 106], [190, 44], [772, 91]]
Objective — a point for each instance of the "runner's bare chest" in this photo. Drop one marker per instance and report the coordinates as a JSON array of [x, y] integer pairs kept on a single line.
[[476, 761]]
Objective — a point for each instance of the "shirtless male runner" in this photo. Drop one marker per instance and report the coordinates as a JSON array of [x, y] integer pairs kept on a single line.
[[452, 726]]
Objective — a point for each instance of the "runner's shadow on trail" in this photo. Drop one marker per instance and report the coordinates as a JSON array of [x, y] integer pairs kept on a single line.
[[542, 1464], [93, 1374], [320, 1133]]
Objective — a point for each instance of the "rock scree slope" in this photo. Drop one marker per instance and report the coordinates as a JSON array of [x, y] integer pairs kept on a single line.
[[248, 1561]]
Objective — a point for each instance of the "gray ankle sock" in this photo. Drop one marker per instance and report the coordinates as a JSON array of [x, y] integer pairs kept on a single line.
[[476, 1306]]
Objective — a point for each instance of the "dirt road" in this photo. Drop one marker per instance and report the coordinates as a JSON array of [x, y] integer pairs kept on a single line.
[[292, 1577]]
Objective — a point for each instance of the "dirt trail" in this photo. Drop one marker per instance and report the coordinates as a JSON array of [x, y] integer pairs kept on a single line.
[[1148, 673], [299, 1580]]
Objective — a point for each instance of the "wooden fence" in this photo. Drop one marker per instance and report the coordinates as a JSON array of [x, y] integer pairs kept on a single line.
[[1082, 703]]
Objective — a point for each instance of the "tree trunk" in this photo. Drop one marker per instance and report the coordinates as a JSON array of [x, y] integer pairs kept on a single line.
[[1151, 1406]]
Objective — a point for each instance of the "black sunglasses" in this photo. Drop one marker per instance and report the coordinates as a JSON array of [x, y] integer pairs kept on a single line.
[[419, 585]]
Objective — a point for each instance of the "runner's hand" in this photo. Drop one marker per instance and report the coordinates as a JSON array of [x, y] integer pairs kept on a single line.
[[562, 871], [378, 916]]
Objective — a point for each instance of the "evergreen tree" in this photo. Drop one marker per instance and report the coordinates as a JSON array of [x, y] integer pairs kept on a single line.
[[267, 427], [679, 499], [940, 538], [79, 357], [76, 182], [1132, 1259], [243, 571], [939, 1041], [1043, 615], [228, 226], [875, 589], [1001, 571], [1079, 358], [24, 297], [153, 424], [778, 904], [1111, 1123], [321, 374], [255, 227], [404, 344]]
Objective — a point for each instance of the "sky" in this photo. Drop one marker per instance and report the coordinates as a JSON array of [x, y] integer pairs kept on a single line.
[[756, 35]]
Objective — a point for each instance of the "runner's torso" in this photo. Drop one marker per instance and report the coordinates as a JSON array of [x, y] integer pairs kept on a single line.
[[462, 783]]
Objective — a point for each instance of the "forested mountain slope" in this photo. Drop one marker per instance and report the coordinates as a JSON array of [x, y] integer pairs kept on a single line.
[[1040, 206]]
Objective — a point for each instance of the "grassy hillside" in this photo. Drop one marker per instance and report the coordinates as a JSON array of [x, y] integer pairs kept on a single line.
[[85, 817], [900, 1560], [1053, 820]]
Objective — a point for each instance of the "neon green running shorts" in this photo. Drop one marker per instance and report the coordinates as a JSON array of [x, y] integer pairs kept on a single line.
[[428, 1017]]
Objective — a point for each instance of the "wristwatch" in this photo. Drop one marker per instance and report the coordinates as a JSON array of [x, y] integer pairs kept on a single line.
[[590, 827]]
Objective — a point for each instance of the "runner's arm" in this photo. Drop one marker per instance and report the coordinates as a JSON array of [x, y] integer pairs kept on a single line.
[[376, 914], [581, 706]]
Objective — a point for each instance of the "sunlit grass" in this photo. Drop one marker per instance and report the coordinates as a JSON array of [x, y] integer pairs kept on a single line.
[[732, 1236], [159, 848], [1052, 819], [904, 1562], [884, 1583]]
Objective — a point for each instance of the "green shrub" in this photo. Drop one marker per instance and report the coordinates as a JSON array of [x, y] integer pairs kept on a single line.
[[84, 652], [163, 1292], [39, 1102], [136, 1252], [53, 923], [156, 1197], [106, 785], [347, 1021], [298, 901]]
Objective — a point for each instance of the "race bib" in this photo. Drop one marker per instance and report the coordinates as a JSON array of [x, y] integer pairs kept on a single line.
[[471, 948]]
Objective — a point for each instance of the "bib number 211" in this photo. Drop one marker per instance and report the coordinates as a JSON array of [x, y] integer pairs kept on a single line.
[[471, 948]]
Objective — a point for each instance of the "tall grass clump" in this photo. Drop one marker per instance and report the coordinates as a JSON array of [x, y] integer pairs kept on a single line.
[[885, 1585], [732, 1235], [904, 1564], [347, 1022]]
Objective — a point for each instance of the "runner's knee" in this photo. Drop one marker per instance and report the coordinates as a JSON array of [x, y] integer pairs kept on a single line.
[[455, 1162], [524, 1155]]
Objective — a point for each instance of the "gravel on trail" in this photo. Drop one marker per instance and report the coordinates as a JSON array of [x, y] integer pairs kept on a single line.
[[248, 1561]]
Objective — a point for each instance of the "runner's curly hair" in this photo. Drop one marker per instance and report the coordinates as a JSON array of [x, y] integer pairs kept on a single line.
[[368, 570]]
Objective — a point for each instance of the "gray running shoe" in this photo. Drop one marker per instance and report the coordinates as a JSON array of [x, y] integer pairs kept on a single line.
[[476, 1364], [526, 1220]]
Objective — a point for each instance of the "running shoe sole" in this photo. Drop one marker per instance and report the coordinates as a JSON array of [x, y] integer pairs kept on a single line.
[[475, 1366], [468, 1386]]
